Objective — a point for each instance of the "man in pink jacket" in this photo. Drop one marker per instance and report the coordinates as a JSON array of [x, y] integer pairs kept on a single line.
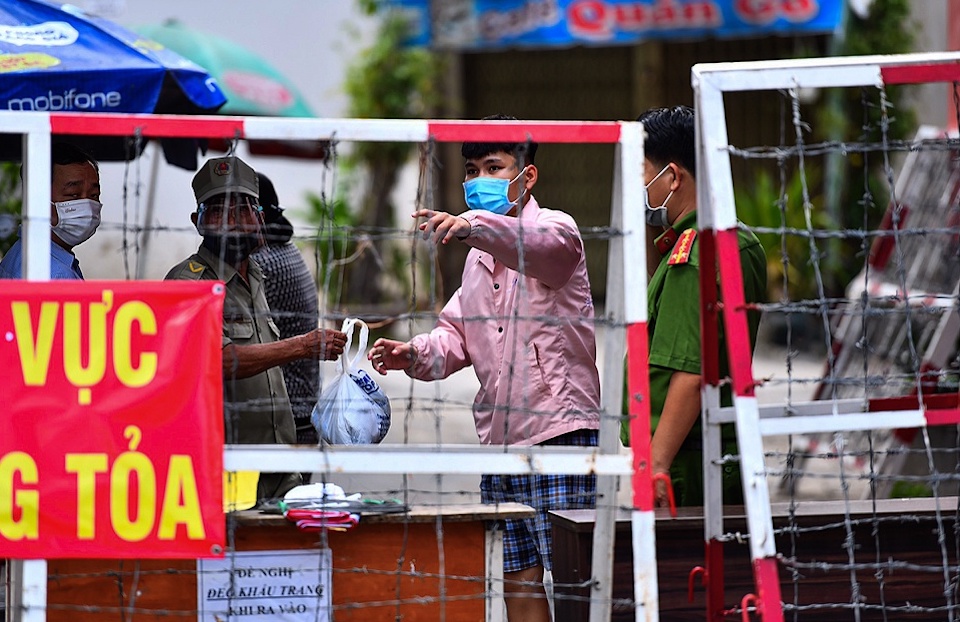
[[523, 318]]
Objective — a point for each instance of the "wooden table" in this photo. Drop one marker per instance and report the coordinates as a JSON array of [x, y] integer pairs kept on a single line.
[[393, 560], [680, 548]]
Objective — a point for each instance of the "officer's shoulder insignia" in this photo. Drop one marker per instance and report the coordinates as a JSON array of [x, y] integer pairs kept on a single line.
[[188, 270], [681, 250]]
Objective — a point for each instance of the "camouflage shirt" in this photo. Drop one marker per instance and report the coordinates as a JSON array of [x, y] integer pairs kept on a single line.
[[292, 297]]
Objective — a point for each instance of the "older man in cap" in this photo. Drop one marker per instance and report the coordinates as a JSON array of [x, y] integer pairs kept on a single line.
[[256, 407]]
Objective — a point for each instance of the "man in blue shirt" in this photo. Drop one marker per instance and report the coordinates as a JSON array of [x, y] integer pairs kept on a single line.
[[74, 213]]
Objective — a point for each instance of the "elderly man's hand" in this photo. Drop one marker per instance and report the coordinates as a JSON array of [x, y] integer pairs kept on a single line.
[[324, 344]]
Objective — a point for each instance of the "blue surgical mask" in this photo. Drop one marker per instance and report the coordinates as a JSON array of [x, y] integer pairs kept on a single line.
[[490, 194], [656, 216]]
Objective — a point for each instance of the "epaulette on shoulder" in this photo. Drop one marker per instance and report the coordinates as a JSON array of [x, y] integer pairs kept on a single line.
[[190, 270], [683, 249]]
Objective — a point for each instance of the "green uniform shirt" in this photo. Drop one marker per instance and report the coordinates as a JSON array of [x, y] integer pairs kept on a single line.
[[673, 311], [256, 410]]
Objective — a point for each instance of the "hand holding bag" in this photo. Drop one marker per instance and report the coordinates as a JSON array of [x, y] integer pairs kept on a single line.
[[352, 409]]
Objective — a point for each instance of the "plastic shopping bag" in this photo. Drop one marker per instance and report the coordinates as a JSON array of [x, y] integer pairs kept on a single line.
[[352, 409]]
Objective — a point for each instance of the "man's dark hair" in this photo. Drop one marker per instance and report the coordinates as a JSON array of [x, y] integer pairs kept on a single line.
[[276, 228], [66, 153], [670, 137], [525, 153], [62, 153]]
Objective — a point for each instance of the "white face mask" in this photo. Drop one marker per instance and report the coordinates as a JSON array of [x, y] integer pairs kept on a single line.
[[656, 216], [78, 220]]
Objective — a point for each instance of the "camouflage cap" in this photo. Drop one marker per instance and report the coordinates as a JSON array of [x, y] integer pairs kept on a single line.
[[225, 176]]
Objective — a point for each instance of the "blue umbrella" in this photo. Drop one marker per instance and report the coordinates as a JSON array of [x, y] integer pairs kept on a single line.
[[58, 59]]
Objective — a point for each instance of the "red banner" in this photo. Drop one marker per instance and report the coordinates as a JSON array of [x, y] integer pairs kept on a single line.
[[112, 443]]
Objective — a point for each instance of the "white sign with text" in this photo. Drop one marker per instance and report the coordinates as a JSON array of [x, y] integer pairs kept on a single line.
[[265, 585]]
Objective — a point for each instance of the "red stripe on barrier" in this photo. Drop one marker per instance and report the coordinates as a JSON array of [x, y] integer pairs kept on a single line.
[[709, 342], [638, 405], [735, 313], [767, 578], [544, 132], [714, 579], [917, 74], [940, 408], [943, 417], [940, 401], [172, 126]]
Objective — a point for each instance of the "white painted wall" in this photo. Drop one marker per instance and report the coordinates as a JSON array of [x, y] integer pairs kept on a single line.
[[930, 19]]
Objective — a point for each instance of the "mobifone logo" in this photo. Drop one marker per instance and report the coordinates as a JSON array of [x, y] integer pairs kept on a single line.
[[69, 100]]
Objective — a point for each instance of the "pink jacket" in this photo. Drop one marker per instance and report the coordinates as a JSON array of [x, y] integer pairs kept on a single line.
[[525, 323]]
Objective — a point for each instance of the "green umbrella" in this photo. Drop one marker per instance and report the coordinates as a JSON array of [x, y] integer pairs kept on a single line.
[[253, 87]]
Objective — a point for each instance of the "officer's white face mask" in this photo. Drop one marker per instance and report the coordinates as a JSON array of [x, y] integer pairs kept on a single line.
[[656, 216], [78, 220]]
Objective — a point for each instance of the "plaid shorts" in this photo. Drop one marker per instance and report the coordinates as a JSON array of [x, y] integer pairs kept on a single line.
[[528, 542]]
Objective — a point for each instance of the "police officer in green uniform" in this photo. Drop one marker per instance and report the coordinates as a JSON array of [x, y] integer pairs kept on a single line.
[[256, 407], [673, 308]]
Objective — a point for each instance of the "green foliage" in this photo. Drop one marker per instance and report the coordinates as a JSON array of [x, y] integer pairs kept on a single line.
[[859, 187], [910, 490], [334, 243], [854, 191], [11, 204], [390, 81], [387, 81], [772, 205], [887, 30], [370, 7]]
